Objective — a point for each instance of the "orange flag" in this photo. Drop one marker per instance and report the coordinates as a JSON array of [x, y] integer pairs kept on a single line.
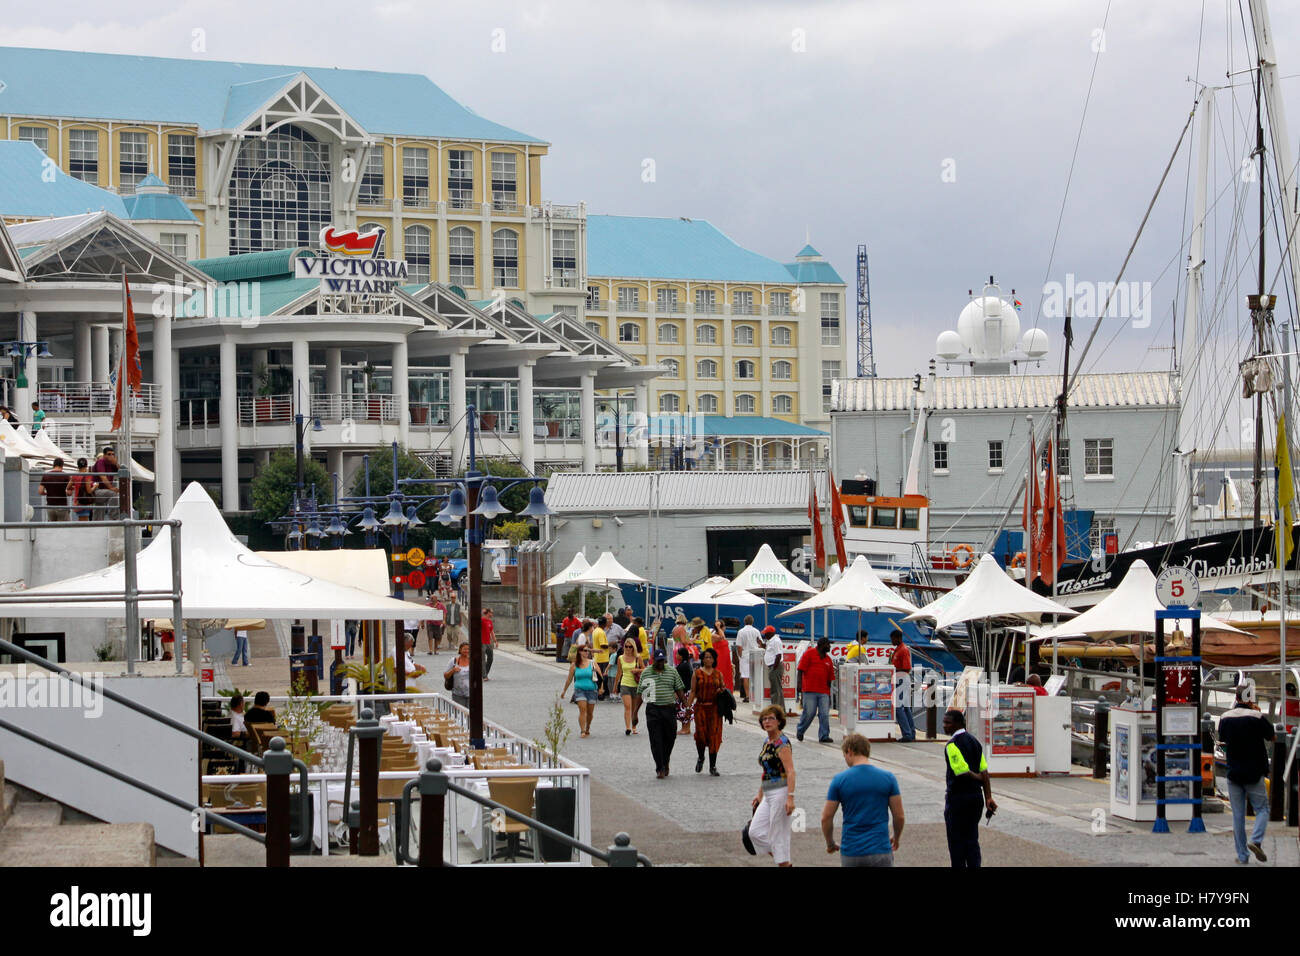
[[1030, 521], [837, 523], [815, 519], [131, 369], [1053, 553]]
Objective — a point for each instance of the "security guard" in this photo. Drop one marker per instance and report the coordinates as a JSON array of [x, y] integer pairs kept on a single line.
[[969, 791]]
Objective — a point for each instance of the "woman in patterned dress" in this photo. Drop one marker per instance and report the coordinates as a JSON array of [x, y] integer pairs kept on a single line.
[[705, 684]]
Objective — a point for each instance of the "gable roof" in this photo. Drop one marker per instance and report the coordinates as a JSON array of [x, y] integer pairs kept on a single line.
[[979, 392], [31, 190], [216, 94]]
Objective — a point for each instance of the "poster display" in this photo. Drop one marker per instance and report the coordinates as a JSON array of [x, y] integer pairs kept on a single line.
[[875, 694], [1122, 771], [1009, 726]]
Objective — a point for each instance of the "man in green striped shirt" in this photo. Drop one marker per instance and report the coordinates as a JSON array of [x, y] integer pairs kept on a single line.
[[662, 689]]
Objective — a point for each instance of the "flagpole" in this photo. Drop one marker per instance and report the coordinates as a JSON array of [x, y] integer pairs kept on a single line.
[[132, 635]]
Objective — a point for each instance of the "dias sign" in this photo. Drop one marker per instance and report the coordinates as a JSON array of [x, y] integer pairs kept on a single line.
[[353, 266]]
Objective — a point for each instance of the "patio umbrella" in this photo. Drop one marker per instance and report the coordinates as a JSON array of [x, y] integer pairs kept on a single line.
[[706, 592], [766, 573], [607, 573], [576, 567], [857, 589]]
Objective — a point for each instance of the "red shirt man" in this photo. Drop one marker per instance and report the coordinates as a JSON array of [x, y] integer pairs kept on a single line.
[[901, 658], [569, 625], [818, 671]]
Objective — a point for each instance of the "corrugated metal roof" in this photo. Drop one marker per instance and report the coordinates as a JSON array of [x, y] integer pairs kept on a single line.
[[980, 392], [270, 263], [40, 231], [717, 491], [26, 192]]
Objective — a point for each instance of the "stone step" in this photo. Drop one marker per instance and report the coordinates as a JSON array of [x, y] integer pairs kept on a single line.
[[94, 844], [45, 813]]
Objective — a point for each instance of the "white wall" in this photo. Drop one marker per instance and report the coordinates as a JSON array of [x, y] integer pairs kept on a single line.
[[57, 554]]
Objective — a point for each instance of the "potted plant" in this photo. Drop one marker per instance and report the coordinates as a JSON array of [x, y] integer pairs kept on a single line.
[[419, 414], [488, 420], [549, 408], [262, 403]]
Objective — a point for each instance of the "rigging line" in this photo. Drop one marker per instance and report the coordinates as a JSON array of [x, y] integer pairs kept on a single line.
[[1078, 138]]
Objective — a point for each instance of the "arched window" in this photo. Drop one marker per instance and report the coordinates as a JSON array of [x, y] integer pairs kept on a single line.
[[782, 369], [782, 405], [668, 334], [708, 404], [629, 332], [279, 191], [669, 403], [595, 328], [505, 259], [415, 245], [674, 370], [743, 335], [780, 335], [460, 256], [744, 369], [706, 368], [366, 227], [706, 335], [744, 404]]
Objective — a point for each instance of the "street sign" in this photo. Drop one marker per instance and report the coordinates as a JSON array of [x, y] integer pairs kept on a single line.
[[399, 555], [1178, 587], [415, 557], [416, 579]]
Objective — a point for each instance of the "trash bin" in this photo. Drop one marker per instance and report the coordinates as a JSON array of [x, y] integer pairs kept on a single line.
[[303, 666], [557, 808]]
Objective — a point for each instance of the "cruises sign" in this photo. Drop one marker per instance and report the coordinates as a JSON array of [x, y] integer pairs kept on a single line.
[[354, 266]]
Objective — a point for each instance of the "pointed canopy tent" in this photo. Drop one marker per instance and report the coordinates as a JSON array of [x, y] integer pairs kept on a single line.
[[220, 578], [706, 592], [858, 589], [608, 572], [362, 568], [766, 573], [575, 568], [1129, 609]]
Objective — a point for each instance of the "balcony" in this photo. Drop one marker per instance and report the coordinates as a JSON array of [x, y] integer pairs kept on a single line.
[[745, 308], [266, 410], [371, 407], [505, 202], [460, 200], [564, 279], [377, 202], [707, 308], [94, 398], [417, 197], [670, 308], [631, 307]]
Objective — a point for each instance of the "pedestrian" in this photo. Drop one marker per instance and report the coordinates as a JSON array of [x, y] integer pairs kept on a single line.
[[663, 689], [412, 669], [686, 671], [901, 658], [723, 651], [769, 829], [81, 491], [411, 627], [600, 645], [241, 647], [567, 627], [645, 647], [585, 675], [748, 640], [857, 649], [1244, 733], [818, 674], [774, 660], [701, 636], [54, 486], [869, 796], [433, 628], [581, 639], [680, 635], [968, 791], [38, 418], [628, 677], [706, 683], [458, 675], [488, 638], [453, 624], [105, 489]]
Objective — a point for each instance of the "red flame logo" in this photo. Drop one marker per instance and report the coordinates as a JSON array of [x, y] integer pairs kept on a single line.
[[351, 243]]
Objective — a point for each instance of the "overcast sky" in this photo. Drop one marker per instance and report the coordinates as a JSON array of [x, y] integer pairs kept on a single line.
[[842, 119]]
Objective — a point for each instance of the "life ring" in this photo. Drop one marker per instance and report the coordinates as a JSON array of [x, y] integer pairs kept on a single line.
[[967, 551], [1019, 560]]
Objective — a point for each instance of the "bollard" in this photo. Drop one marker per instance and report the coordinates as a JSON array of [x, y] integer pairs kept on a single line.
[[1101, 740], [931, 711], [278, 764], [433, 799], [369, 732], [622, 852], [1276, 786]]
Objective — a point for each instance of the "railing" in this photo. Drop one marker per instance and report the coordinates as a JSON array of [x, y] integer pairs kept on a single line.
[[430, 415], [373, 202], [185, 187], [72, 437], [704, 308], [564, 430], [565, 279], [371, 407], [266, 409], [670, 308], [460, 199], [558, 212], [417, 197], [740, 308], [635, 306], [502, 204], [95, 398], [597, 306]]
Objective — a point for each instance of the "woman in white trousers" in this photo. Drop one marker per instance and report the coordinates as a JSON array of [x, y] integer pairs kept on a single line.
[[769, 830]]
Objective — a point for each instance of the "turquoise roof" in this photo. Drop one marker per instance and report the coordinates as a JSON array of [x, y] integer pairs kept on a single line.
[[804, 272], [723, 426], [216, 94], [806, 251], [150, 181], [274, 263], [158, 206], [27, 192]]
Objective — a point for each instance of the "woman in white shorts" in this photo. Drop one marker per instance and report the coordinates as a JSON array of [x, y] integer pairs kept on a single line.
[[769, 830]]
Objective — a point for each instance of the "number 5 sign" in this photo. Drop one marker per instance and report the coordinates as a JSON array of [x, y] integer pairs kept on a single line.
[[1178, 587]]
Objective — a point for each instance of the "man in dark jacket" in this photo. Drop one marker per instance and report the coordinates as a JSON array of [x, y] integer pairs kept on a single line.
[[1244, 733]]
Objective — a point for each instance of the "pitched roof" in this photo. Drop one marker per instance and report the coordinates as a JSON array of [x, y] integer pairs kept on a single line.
[[627, 247], [978, 392], [714, 491], [215, 94], [154, 206], [807, 250], [29, 189]]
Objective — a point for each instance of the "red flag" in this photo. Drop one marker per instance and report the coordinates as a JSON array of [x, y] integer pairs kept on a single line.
[[837, 523], [1053, 554], [131, 368], [819, 542]]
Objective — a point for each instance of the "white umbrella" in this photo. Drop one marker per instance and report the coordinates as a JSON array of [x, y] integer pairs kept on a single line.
[[766, 573], [607, 573], [860, 589], [578, 565], [706, 592]]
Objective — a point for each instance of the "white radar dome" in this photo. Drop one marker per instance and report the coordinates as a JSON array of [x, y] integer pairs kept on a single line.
[[1035, 343], [989, 327], [949, 345]]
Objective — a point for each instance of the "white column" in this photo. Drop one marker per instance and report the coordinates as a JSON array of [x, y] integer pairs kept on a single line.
[[401, 390], [27, 332], [758, 455], [335, 467], [99, 353], [301, 387], [642, 453], [334, 372], [165, 449], [457, 397], [229, 429], [527, 445], [177, 477], [81, 352], [588, 423]]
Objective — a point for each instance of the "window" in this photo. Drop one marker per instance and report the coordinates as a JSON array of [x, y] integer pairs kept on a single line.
[[593, 299], [83, 155], [1062, 459], [674, 370], [706, 368], [940, 456], [669, 403], [568, 311], [884, 517], [176, 243], [911, 519], [505, 259], [629, 332], [830, 318], [1099, 458], [504, 181], [666, 301], [830, 372], [706, 335], [1097, 533], [668, 334], [745, 369], [415, 176], [780, 335], [782, 370], [858, 515], [36, 134], [782, 405], [182, 168], [706, 301], [564, 256], [372, 178], [781, 304], [629, 299], [460, 178], [995, 456], [708, 404], [742, 303], [744, 404], [743, 335], [595, 328], [132, 159], [460, 256], [279, 191], [415, 245]]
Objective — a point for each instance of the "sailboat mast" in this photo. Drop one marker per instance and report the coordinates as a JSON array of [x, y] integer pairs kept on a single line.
[[1257, 314]]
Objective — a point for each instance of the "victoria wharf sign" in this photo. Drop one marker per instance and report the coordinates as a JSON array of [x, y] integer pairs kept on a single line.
[[354, 267]]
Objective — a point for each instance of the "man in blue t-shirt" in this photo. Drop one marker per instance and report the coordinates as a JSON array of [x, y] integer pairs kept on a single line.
[[870, 797]]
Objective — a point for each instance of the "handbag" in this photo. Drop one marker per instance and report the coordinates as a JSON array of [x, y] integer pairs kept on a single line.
[[449, 680]]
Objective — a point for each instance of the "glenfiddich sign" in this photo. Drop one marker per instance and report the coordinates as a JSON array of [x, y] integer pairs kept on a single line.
[[354, 266]]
